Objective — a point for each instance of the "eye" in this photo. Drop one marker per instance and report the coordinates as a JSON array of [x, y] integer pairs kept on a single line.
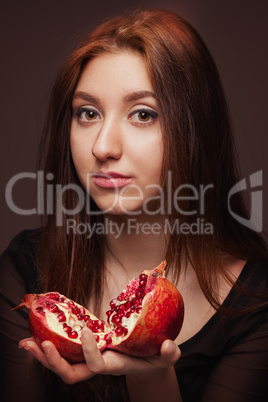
[[143, 116], [86, 115]]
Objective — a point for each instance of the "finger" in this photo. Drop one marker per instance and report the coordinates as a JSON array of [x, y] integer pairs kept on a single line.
[[93, 356], [170, 352], [31, 346], [23, 342], [69, 373]]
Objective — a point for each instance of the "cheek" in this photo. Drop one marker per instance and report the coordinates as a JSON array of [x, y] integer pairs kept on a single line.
[[81, 154], [150, 161]]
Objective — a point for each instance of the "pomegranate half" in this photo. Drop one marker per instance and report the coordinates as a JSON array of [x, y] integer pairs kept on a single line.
[[149, 311]]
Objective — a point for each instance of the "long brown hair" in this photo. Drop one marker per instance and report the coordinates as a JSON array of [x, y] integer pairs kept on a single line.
[[198, 149]]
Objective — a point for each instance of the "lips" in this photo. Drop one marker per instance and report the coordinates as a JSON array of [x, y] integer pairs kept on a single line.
[[111, 179]]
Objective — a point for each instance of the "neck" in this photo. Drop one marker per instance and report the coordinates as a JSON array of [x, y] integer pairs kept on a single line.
[[134, 242]]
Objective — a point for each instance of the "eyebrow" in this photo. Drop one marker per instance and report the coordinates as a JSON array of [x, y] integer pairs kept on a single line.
[[127, 98]]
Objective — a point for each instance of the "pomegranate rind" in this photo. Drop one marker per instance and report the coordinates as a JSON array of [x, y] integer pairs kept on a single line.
[[161, 318], [70, 349]]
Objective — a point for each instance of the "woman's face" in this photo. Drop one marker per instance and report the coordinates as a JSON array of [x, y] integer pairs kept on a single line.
[[116, 140]]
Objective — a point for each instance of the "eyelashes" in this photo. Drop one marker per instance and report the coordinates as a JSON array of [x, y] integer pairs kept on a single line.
[[139, 117], [144, 116]]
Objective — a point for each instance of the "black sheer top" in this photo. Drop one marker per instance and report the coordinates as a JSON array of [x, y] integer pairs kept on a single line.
[[227, 360]]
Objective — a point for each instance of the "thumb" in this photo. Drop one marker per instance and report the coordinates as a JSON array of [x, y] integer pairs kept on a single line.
[[170, 352]]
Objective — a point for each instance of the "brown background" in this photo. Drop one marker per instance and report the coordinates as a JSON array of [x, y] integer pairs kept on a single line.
[[36, 37]]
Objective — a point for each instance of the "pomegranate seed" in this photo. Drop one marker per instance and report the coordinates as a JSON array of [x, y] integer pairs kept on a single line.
[[80, 317], [121, 297], [86, 318], [70, 303], [54, 296], [62, 299], [116, 319], [138, 310], [75, 310], [97, 338], [53, 308], [100, 324], [119, 331], [61, 317], [82, 310], [143, 277], [67, 328], [137, 302], [108, 338], [73, 334], [108, 313], [128, 305], [40, 310], [113, 303], [90, 325], [139, 295], [120, 314], [128, 314]]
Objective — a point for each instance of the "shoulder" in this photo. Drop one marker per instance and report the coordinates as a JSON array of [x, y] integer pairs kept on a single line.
[[254, 278], [18, 260]]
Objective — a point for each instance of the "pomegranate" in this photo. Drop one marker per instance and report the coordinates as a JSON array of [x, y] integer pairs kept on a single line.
[[144, 314]]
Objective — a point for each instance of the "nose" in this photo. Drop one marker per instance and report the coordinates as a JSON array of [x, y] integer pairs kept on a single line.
[[108, 141]]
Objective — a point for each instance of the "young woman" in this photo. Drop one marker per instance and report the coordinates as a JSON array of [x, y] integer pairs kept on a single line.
[[139, 124]]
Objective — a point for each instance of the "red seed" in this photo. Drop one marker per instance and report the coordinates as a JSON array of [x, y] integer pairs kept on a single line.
[[116, 319], [62, 299], [108, 338], [128, 305], [120, 314], [40, 310], [143, 277], [97, 338], [80, 317], [54, 296], [137, 302], [91, 325], [73, 335], [86, 318], [113, 303], [75, 310], [82, 310], [53, 308], [119, 331], [67, 328], [139, 295], [70, 303], [61, 317], [108, 313], [98, 325]]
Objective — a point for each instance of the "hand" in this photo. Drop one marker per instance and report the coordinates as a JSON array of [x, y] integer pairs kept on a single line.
[[108, 362]]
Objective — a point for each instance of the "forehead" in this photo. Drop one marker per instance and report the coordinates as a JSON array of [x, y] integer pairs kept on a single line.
[[124, 70]]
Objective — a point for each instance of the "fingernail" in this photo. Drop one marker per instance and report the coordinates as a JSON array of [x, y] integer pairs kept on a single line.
[[46, 349], [170, 348], [27, 346], [85, 335]]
